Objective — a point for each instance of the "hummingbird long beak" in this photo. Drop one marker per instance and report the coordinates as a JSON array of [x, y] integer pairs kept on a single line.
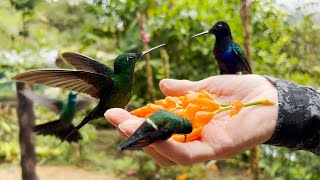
[[200, 34], [149, 50]]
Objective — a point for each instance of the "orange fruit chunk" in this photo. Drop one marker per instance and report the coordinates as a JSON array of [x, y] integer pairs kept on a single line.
[[195, 134], [203, 117], [154, 107], [236, 107]]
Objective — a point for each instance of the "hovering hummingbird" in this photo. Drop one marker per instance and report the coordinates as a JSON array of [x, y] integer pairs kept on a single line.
[[67, 111], [114, 88], [229, 54], [159, 126]]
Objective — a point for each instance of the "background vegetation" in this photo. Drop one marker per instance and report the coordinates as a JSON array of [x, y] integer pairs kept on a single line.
[[284, 43]]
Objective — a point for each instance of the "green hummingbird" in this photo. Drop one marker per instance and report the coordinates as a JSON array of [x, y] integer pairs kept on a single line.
[[114, 87], [159, 126], [66, 110]]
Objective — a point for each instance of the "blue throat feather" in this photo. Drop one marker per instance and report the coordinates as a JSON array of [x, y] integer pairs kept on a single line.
[[73, 99]]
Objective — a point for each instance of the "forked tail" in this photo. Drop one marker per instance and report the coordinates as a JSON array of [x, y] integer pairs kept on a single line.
[[70, 133], [59, 129]]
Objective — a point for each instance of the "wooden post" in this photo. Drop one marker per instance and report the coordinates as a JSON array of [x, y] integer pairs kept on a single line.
[[245, 16], [150, 86], [26, 119]]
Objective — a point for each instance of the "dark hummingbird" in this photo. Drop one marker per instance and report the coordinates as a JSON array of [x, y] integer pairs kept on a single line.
[[159, 126], [114, 87], [66, 110], [229, 54]]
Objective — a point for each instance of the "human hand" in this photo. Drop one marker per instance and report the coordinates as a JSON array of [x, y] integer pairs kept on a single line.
[[223, 137]]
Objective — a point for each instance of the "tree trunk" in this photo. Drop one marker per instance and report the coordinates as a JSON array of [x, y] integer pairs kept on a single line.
[[245, 15], [150, 86], [26, 138], [165, 62], [254, 162]]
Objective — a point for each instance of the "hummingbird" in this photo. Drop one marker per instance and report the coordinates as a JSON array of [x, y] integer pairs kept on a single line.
[[229, 54], [2, 75], [114, 87], [159, 126], [66, 110]]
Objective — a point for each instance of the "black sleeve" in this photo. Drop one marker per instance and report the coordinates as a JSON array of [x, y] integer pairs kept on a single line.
[[298, 125]]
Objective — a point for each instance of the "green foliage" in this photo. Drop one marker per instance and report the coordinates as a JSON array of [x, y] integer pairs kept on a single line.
[[279, 162], [25, 5], [284, 44]]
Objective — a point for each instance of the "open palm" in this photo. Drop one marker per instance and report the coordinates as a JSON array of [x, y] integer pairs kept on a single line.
[[223, 137]]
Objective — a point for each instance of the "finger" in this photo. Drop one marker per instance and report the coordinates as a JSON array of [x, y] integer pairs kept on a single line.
[[117, 115], [129, 126], [184, 153], [158, 158], [172, 87]]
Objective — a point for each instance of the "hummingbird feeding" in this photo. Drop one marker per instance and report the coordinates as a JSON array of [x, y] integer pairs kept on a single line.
[[113, 87], [159, 126]]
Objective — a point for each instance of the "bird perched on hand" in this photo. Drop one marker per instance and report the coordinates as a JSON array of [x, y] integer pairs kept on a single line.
[[229, 54], [114, 87], [159, 126], [66, 110]]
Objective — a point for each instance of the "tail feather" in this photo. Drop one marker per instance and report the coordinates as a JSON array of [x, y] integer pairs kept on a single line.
[[74, 130], [58, 129]]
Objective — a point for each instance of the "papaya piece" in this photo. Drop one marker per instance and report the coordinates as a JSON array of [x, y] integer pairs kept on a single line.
[[195, 134], [141, 112], [236, 107], [154, 107], [202, 118], [206, 94]]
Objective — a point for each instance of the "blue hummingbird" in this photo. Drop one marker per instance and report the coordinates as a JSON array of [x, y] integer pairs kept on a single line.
[[66, 110], [229, 54]]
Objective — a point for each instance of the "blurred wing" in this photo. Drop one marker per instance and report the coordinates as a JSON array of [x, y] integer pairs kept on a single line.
[[83, 103], [237, 49], [80, 81], [85, 63], [52, 104]]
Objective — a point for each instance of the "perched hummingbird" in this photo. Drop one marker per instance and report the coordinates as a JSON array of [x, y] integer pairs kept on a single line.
[[159, 126], [114, 88], [61, 127], [229, 55]]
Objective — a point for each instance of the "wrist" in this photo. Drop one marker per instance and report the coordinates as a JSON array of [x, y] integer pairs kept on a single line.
[[297, 124]]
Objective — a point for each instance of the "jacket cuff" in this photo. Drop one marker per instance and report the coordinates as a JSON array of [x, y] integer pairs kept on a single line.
[[298, 125]]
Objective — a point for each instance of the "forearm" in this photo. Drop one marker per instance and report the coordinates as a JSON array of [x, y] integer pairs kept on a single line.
[[298, 125]]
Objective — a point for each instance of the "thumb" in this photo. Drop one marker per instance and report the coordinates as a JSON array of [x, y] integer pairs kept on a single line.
[[173, 87]]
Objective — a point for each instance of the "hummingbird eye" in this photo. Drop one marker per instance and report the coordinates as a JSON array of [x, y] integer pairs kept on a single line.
[[129, 58]]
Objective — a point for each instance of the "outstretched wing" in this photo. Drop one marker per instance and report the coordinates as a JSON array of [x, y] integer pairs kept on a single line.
[[52, 104], [89, 83], [85, 63], [238, 51]]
